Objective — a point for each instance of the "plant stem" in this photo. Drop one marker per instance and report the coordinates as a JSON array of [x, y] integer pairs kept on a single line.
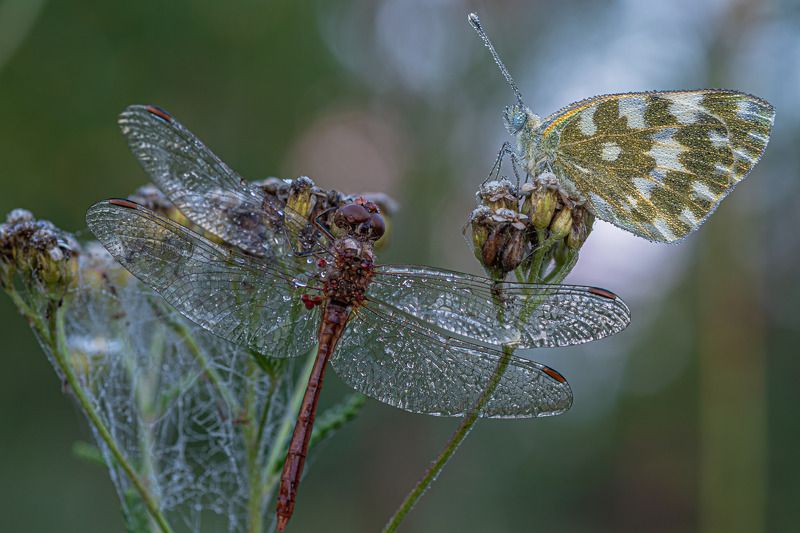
[[279, 444], [51, 336], [452, 445], [557, 275], [251, 440], [545, 243], [202, 359]]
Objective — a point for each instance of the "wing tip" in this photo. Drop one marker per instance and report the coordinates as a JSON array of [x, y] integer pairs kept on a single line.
[[160, 114], [120, 202], [605, 293], [554, 374]]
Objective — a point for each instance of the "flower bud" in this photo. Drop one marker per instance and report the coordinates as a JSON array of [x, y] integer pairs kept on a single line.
[[498, 194], [479, 223], [513, 250], [18, 215], [543, 204], [153, 199], [301, 196], [582, 221], [38, 250], [498, 239], [562, 224]]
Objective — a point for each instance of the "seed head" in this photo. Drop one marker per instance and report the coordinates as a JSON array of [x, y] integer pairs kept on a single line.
[[582, 222], [498, 194], [38, 251], [499, 239]]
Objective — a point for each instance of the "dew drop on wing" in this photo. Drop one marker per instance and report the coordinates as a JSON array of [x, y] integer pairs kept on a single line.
[[407, 283], [298, 282]]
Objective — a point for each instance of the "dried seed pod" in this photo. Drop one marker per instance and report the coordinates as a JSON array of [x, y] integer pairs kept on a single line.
[[38, 250], [582, 222], [498, 194], [499, 239]]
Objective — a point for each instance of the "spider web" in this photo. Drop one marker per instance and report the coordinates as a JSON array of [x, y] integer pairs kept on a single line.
[[183, 405]]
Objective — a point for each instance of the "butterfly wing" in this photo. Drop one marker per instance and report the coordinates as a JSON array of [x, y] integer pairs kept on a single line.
[[657, 163]]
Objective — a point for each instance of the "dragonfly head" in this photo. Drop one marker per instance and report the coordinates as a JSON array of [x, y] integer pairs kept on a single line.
[[361, 219]]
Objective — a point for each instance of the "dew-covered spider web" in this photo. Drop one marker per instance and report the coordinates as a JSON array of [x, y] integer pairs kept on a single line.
[[196, 416]]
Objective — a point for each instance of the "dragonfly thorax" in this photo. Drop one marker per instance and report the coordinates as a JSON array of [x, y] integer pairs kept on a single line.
[[350, 273]]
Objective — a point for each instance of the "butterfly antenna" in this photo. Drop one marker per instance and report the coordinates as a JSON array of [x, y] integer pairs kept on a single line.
[[475, 22]]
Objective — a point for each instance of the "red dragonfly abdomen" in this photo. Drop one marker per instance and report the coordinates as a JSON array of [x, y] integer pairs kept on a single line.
[[334, 319]]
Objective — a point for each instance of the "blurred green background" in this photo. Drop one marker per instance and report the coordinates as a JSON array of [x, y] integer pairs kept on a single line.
[[684, 422]]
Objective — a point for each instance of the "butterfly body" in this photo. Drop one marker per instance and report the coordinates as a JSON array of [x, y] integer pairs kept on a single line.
[[656, 164]]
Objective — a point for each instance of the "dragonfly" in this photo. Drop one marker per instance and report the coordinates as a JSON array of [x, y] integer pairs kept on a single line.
[[281, 282]]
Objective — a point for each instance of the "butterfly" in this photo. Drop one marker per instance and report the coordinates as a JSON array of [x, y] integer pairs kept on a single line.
[[656, 164]]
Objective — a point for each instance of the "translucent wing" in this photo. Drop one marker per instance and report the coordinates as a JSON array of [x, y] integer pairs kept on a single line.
[[657, 163], [388, 357], [306, 236], [532, 315], [246, 300], [204, 188]]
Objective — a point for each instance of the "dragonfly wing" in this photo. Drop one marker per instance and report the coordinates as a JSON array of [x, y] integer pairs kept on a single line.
[[203, 187], [391, 358], [305, 236], [482, 310], [247, 300]]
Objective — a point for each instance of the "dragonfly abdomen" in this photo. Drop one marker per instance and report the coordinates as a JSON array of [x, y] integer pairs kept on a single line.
[[334, 319]]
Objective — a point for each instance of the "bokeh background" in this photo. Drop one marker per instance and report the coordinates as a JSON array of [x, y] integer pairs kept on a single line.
[[687, 421]]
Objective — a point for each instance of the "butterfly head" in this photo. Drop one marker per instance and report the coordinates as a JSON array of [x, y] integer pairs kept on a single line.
[[519, 117]]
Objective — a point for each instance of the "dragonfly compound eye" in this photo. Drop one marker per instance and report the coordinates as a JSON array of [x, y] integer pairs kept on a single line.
[[378, 226], [350, 215]]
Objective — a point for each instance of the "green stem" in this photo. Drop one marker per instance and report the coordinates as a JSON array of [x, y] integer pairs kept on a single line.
[[538, 256], [202, 359], [50, 334], [262, 420], [452, 445], [559, 273], [275, 457], [144, 398], [254, 514]]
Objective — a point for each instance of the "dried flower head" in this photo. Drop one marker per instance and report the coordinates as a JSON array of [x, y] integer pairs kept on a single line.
[[37, 251], [521, 230]]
